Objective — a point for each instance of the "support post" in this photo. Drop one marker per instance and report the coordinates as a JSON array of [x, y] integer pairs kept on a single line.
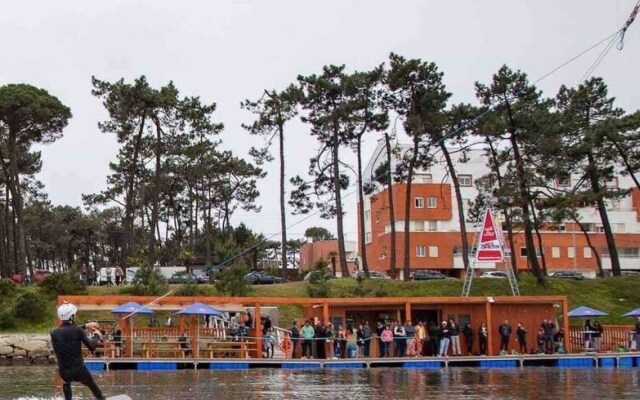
[[407, 312], [325, 313], [258, 325], [565, 324], [487, 313]]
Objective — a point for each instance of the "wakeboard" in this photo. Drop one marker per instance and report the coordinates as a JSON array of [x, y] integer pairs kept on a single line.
[[119, 397]]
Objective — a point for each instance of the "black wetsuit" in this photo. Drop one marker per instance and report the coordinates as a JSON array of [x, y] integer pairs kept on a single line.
[[67, 342]]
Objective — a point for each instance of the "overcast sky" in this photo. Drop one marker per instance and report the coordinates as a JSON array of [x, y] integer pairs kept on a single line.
[[227, 51]]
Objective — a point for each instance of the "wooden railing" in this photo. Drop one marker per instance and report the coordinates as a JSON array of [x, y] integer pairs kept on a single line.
[[613, 337]]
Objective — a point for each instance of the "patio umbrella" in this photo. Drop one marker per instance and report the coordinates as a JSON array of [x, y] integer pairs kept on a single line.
[[634, 313], [132, 308], [583, 312], [198, 309], [129, 309]]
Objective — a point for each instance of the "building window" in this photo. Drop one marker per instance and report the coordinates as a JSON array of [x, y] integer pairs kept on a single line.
[[387, 228], [433, 226], [523, 251], [432, 202], [564, 181], [560, 228], [612, 183], [619, 228], [433, 251], [586, 252], [367, 215], [419, 202], [628, 252], [555, 252], [599, 228], [465, 180], [423, 178], [367, 237], [571, 252], [418, 226], [421, 251]]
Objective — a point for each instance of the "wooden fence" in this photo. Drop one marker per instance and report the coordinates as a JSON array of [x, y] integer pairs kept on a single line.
[[613, 338]]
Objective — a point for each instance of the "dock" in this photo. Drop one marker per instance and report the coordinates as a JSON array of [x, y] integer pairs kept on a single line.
[[609, 360]]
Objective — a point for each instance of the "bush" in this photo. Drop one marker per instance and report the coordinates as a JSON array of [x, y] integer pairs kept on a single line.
[[30, 306], [232, 283], [7, 320], [7, 288], [148, 281], [381, 291], [360, 290], [189, 289], [63, 283]]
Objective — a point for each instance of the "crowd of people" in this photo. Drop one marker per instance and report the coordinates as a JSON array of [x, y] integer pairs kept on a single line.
[[397, 339]]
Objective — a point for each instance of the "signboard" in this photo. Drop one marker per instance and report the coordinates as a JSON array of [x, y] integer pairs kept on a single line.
[[490, 246]]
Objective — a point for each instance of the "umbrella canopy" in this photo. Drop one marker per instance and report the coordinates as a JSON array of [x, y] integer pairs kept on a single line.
[[634, 313], [199, 309], [130, 308], [586, 312]]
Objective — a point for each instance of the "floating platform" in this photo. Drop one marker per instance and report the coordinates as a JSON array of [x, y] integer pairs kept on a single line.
[[618, 360]]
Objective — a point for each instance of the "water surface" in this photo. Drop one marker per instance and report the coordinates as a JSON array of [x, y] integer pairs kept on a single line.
[[542, 383]]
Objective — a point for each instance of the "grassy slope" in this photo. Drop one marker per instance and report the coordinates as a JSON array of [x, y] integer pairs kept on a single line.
[[613, 295]]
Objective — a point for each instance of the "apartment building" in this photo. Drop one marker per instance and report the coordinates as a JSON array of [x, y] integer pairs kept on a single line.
[[435, 240]]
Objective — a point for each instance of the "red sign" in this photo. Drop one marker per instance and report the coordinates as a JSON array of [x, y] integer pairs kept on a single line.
[[490, 247]]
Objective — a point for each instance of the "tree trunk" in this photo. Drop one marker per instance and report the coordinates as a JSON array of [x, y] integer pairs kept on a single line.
[[505, 209], [342, 254], [524, 202], [155, 200], [16, 195], [460, 203], [406, 267], [595, 251], [604, 217], [283, 215], [4, 271], [536, 226], [392, 215], [129, 212], [363, 248]]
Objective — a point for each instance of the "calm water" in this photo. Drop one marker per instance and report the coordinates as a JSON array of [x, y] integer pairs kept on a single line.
[[389, 384]]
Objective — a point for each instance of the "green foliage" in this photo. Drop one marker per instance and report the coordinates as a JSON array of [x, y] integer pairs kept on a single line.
[[148, 281], [381, 291], [232, 281], [189, 289], [30, 306], [63, 283], [360, 290], [317, 233], [7, 320], [7, 288]]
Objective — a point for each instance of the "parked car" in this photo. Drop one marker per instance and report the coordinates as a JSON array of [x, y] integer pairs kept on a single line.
[[182, 278], [261, 278], [202, 277], [630, 273], [494, 275], [372, 275], [318, 275], [214, 273], [427, 275], [568, 275]]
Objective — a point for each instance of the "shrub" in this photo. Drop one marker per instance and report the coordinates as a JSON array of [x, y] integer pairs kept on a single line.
[[360, 290], [30, 306], [189, 289], [63, 283], [7, 320], [231, 281], [381, 291], [148, 281], [7, 288]]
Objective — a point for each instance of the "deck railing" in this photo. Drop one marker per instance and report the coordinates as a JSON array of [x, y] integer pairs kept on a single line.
[[613, 338]]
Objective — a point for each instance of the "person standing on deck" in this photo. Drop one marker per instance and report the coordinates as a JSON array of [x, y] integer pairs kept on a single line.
[[505, 335], [386, 337], [367, 334], [67, 340], [295, 338], [521, 336], [445, 337], [548, 327], [638, 334], [434, 339], [468, 338], [455, 337], [308, 334], [483, 339]]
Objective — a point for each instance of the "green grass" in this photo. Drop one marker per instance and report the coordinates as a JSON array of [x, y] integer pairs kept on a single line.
[[612, 295]]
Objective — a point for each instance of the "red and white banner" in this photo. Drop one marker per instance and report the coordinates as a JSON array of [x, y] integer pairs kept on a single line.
[[490, 246]]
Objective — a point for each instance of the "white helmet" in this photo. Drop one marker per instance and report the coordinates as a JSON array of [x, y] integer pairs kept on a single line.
[[66, 311]]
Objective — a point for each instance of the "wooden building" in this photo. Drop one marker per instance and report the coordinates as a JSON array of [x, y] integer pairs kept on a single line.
[[528, 310]]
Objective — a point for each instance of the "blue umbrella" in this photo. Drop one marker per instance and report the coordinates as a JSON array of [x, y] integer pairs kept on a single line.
[[634, 313], [582, 312], [199, 309], [131, 308]]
